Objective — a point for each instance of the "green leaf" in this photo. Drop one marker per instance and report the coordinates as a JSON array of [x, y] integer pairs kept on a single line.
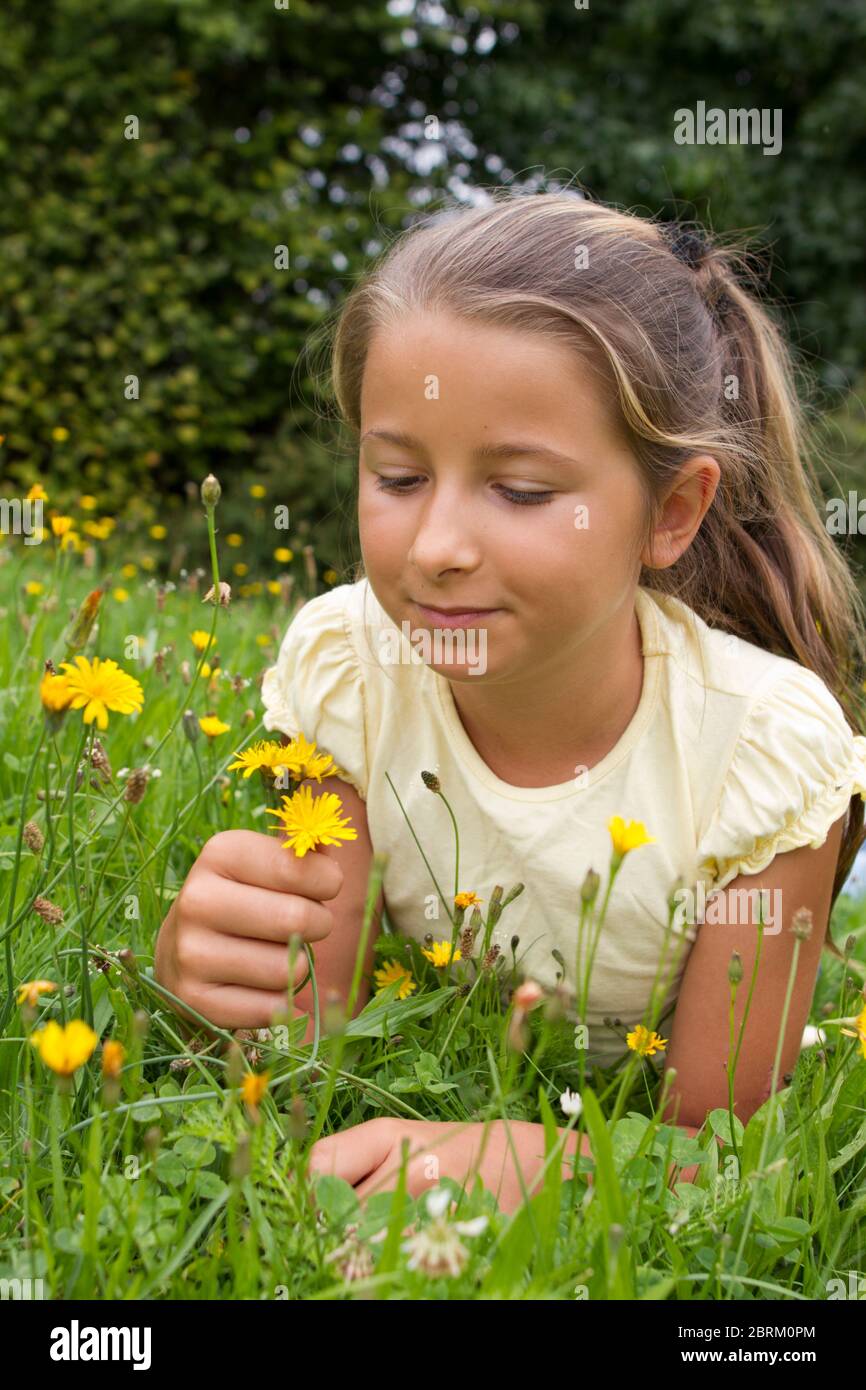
[[336, 1199], [195, 1151], [170, 1169], [605, 1181], [720, 1124], [208, 1185]]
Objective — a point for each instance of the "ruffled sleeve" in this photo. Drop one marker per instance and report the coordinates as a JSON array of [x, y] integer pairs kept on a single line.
[[793, 772], [316, 688]]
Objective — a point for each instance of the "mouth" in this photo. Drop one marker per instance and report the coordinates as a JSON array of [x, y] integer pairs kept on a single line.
[[453, 617]]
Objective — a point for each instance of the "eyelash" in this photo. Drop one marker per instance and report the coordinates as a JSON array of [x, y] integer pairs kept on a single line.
[[520, 499]]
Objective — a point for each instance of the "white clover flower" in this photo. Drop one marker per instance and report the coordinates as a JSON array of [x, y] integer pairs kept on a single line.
[[570, 1102], [436, 1250], [438, 1201], [473, 1227], [813, 1036]]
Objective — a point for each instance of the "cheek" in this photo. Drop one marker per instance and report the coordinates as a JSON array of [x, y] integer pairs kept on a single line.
[[384, 533]]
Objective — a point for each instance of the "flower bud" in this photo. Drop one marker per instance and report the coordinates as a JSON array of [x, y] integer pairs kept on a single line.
[[210, 492], [431, 781], [589, 887], [82, 624], [512, 894], [190, 725], [801, 924], [735, 969], [221, 596]]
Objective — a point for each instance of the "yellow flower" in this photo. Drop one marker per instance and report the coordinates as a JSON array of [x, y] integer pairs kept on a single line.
[[60, 434], [275, 587], [34, 587], [283, 554], [329, 576], [113, 1053], [99, 530], [31, 991], [257, 490], [71, 541], [860, 1025], [201, 640], [54, 692], [212, 726], [310, 822], [389, 972], [37, 493], [120, 595], [234, 539], [61, 524], [645, 1042], [205, 670], [263, 639], [129, 570], [87, 503], [298, 759], [100, 686], [240, 569], [264, 754], [440, 954], [147, 562], [253, 1087], [302, 756], [467, 900], [158, 532], [627, 837], [66, 1049]]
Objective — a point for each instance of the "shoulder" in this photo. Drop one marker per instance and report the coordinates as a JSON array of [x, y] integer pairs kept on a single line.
[[773, 760], [317, 684]]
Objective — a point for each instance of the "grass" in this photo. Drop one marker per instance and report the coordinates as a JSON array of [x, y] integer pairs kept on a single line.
[[162, 1183]]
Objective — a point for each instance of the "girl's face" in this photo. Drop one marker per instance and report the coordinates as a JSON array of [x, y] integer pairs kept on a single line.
[[491, 478]]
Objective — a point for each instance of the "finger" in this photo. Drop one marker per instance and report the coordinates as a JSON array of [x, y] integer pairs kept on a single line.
[[247, 856], [256, 964], [352, 1154], [243, 910], [233, 1006]]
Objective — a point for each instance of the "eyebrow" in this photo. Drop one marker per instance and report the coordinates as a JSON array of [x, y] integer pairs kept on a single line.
[[506, 450]]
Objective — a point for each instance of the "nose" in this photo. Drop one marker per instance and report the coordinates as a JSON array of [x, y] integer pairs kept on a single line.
[[445, 538]]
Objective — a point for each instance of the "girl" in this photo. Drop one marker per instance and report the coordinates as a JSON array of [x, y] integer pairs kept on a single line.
[[579, 446]]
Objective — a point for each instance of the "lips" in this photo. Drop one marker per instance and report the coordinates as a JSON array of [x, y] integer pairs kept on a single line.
[[453, 617]]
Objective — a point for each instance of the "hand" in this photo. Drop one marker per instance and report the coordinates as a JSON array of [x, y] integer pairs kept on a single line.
[[223, 945], [368, 1156]]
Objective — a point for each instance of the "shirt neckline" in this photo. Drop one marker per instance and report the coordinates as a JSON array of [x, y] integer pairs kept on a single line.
[[468, 755]]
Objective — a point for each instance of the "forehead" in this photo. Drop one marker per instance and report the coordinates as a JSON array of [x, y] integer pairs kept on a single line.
[[483, 375]]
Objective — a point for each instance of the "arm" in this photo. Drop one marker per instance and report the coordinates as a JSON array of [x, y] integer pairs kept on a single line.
[[699, 1044], [368, 1155]]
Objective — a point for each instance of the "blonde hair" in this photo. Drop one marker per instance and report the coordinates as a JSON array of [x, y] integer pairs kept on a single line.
[[694, 364]]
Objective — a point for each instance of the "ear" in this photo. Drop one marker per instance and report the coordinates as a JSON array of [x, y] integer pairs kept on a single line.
[[685, 506]]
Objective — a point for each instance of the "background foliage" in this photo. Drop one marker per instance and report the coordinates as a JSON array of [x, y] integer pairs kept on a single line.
[[305, 127]]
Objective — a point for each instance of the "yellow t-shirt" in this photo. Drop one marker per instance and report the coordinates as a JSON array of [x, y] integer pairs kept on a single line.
[[733, 755]]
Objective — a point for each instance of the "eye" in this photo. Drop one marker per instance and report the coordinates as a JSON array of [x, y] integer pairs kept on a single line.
[[525, 499], [401, 484]]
